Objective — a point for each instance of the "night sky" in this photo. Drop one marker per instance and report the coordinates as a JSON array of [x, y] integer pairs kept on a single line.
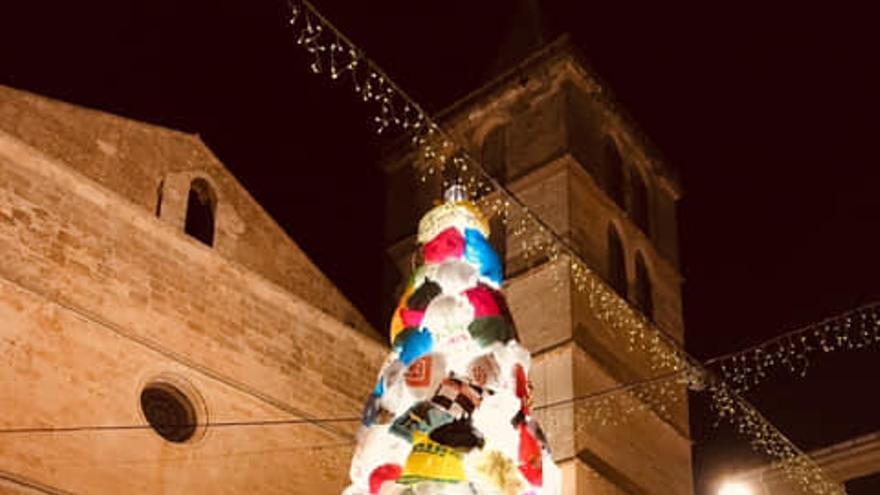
[[768, 113]]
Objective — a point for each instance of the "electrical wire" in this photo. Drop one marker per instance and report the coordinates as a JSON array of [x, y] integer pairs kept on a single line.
[[216, 424]]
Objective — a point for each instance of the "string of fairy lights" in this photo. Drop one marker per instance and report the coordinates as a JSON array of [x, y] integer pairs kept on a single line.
[[791, 351], [336, 55]]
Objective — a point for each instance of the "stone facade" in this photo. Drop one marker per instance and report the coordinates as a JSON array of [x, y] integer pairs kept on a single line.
[[103, 294], [548, 131]]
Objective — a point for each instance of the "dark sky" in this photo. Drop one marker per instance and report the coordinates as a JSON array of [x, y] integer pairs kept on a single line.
[[768, 112]]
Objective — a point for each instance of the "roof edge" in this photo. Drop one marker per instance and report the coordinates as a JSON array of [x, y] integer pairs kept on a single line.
[[111, 115]]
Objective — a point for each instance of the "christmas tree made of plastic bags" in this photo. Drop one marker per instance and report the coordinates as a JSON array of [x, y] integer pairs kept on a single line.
[[450, 413]]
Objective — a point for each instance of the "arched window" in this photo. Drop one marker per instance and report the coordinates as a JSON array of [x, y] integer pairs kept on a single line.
[[616, 265], [638, 204], [493, 154], [613, 171], [200, 209], [644, 299]]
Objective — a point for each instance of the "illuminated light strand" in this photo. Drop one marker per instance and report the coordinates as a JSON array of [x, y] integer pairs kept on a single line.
[[437, 148], [334, 54], [762, 435], [795, 465], [614, 409], [437, 151], [657, 398], [617, 406], [611, 408], [855, 329]]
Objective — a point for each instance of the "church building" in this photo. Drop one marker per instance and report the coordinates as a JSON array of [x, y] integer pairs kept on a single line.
[[145, 294]]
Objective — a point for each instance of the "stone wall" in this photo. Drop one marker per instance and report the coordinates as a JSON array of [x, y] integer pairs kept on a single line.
[[145, 164], [570, 201], [575, 355], [98, 297]]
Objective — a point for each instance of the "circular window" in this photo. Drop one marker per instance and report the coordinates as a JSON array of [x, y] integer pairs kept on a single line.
[[169, 412]]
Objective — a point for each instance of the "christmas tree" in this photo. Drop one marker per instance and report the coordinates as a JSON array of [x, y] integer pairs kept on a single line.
[[450, 413]]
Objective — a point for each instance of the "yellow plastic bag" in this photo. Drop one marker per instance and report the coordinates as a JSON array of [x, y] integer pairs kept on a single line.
[[431, 461]]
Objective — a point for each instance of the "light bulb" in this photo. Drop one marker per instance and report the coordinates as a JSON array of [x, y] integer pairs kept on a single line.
[[735, 488]]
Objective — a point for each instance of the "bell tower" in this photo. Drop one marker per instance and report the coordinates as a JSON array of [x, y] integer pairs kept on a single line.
[[550, 134]]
